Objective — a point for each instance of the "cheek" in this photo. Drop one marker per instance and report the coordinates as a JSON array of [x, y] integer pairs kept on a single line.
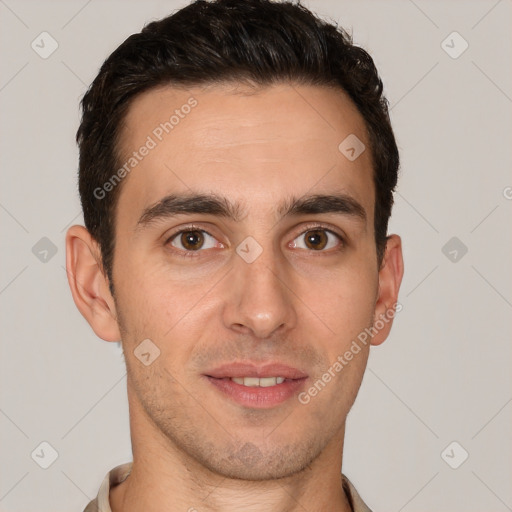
[[164, 307], [144, 309], [343, 299]]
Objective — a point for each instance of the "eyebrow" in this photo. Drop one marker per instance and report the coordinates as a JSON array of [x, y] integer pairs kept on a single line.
[[213, 204]]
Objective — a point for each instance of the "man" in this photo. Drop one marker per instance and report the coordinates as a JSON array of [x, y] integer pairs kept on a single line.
[[237, 168]]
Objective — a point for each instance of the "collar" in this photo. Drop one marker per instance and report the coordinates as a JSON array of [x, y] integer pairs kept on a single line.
[[117, 475]]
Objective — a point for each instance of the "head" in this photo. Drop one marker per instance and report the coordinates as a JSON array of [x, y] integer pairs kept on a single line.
[[226, 222]]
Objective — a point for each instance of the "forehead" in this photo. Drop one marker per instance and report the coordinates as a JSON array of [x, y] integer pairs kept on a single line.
[[255, 146]]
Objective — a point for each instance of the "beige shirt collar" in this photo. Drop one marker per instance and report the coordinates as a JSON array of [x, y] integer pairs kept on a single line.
[[117, 475]]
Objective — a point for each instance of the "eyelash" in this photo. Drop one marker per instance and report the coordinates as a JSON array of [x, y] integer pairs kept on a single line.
[[309, 227], [321, 227], [188, 229]]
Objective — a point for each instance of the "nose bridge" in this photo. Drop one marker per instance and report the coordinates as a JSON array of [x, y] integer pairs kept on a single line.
[[259, 299]]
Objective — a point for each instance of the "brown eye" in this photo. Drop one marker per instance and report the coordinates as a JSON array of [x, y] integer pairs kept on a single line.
[[316, 239], [192, 240]]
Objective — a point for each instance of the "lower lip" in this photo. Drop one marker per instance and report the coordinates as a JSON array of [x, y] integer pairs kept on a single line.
[[258, 397]]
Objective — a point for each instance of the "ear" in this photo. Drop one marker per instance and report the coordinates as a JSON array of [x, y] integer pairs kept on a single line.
[[89, 286], [390, 278]]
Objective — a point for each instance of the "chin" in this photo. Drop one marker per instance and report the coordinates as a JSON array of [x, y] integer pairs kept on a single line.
[[255, 464]]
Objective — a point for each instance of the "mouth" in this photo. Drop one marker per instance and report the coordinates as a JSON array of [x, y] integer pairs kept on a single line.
[[255, 386]]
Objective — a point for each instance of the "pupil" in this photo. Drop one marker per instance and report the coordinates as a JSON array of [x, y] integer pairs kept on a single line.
[[192, 240]]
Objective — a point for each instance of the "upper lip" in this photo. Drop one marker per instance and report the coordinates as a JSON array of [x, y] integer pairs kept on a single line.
[[248, 369]]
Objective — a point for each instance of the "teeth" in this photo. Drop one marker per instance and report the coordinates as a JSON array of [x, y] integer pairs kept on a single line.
[[253, 382]]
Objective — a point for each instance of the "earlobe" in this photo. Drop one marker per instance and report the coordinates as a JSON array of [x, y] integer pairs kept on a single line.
[[390, 278], [89, 286]]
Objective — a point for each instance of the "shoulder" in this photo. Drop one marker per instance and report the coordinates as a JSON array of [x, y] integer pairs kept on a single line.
[[356, 502], [114, 477]]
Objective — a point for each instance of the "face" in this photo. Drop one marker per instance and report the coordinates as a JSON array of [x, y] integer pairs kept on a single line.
[[244, 249]]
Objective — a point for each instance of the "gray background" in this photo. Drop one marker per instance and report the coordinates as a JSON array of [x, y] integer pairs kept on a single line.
[[444, 373]]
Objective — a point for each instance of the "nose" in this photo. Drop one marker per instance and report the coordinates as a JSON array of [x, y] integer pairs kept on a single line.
[[259, 298]]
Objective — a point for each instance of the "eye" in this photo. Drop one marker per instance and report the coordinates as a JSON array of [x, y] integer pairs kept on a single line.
[[317, 240], [193, 240]]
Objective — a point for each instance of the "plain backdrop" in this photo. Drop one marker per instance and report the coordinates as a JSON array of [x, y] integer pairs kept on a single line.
[[439, 388]]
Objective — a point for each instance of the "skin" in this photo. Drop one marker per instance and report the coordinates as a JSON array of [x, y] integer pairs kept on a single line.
[[296, 303]]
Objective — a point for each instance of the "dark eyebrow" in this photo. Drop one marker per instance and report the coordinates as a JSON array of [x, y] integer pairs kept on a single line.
[[212, 204], [323, 203], [172, 205]]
